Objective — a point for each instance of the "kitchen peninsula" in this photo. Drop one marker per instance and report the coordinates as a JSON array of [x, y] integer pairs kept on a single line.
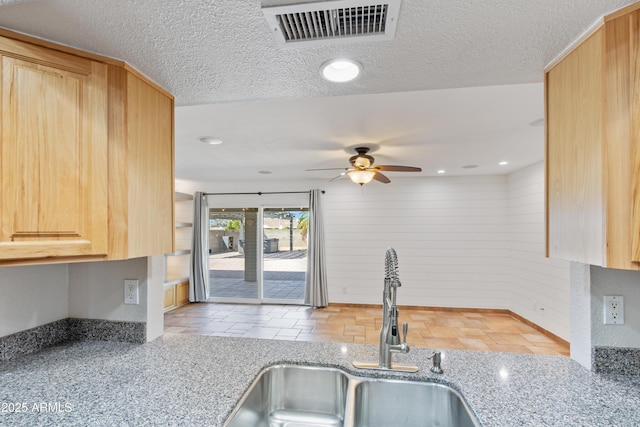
[[182, 380]]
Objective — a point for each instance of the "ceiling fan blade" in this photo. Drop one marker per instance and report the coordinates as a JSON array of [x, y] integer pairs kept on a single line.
[[383, 179], [326, 169], [337, 177], [392, 168]]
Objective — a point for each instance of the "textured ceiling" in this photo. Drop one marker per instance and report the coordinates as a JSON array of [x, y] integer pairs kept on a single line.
[[222, 52]]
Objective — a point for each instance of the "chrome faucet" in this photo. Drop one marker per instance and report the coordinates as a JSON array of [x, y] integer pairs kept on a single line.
[[389, 333]]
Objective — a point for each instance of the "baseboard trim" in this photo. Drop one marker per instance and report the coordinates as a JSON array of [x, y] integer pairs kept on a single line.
[[528, 322], [540, 329]]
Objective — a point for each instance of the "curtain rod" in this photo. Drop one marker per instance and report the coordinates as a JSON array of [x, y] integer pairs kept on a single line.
[[259, 193]]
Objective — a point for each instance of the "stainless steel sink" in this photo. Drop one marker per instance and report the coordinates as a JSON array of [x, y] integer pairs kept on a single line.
[[293, 396], [313, 396], [384, 403]]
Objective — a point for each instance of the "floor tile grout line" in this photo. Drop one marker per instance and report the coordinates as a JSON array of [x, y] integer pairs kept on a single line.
[[341, 323]]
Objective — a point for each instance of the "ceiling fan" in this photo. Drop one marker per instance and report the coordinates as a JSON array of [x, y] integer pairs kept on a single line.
[[362, 170]]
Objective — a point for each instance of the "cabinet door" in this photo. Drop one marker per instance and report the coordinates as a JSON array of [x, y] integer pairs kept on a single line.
[[54, 154], [182, 293], [575, 209], [150, 151], [169, 297], [620, 154]]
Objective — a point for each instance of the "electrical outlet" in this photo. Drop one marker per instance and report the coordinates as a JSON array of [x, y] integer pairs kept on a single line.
[[131, 291], [613, 310]]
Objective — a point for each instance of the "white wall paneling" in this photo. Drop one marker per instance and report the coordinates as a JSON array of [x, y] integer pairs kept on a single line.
[[447, 232], [539, 286]]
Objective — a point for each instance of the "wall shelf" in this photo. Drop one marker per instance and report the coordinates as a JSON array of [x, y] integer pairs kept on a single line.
[[174, 281], [176, 263], [179, 252]]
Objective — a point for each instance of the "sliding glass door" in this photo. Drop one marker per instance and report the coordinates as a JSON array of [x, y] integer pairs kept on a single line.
[[233, 254], [284, 256], [258, 254]]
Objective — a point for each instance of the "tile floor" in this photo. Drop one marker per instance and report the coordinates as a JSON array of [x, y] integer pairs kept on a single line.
[[484, 331]]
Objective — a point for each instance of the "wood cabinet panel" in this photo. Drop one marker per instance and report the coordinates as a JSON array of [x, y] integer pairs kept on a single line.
[[54, 155], [182, 293], [169, 297], [176, 295], [593, 147], [150, 142], [634, 137], [573, 155], [618, 142], [141, 214]]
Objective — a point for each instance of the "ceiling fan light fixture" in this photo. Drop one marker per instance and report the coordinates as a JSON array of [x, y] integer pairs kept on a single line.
[[361, 176], [340, 70]]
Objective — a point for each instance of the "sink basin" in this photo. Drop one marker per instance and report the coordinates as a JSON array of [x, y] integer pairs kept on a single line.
[[293, 396], [313, 396], [385, 402]]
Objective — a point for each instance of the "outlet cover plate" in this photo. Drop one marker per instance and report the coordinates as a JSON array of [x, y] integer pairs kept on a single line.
[[613, 310], [131, 291]]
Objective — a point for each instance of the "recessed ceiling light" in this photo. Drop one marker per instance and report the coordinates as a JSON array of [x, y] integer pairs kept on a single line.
[[441, 171], [503, 163], [340, 70], [210, 140]]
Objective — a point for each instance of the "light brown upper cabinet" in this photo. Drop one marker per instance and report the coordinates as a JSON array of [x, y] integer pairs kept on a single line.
[[54, 153], [86, 164], [593, 147], [141, 177]]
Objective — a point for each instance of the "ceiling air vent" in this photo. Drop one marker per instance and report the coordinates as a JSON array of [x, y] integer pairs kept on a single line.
[[339, 20]]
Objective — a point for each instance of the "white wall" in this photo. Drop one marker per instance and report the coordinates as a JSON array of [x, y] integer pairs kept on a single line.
[[36, 295], [539, 286], [581, 313], [155, 297], [448, 233], [589, 285], [615, 282], [32, 296], [96, 290]]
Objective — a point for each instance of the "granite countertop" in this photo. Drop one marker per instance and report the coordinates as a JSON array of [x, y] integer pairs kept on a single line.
[[188, 380]]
